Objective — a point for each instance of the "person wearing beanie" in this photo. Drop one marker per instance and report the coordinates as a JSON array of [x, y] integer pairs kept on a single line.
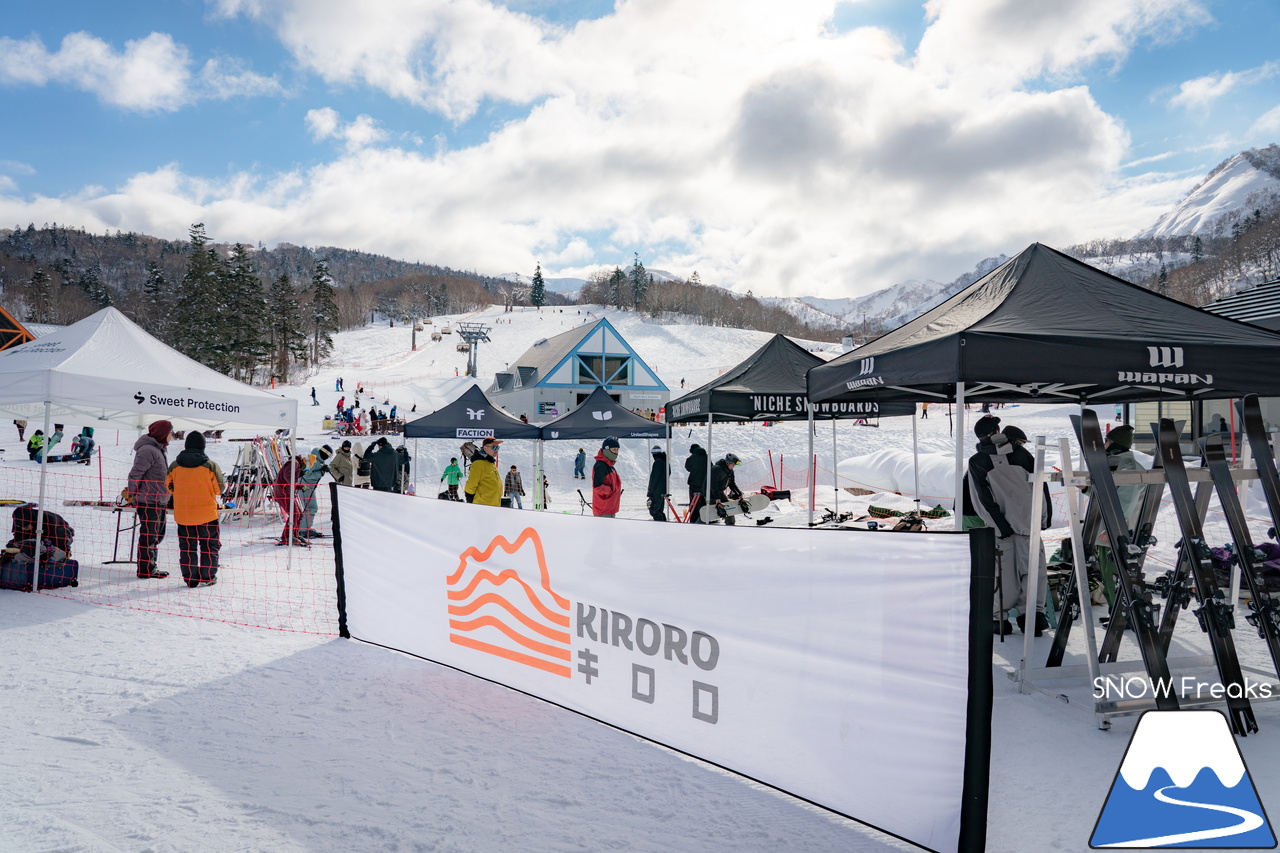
[[606, 485], [314, 471], [149, 494], [513, 488], [1120, 457], [1001, 496], [383, 466], [657, 493], [580, 465], [696, 465], [451, 477], [195, 481], [343, 466]]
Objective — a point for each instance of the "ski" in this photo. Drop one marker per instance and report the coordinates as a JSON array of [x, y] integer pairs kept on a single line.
[[1263, 457], [1264, 610], [1215, 613], [1175, 584], [1136, 600]]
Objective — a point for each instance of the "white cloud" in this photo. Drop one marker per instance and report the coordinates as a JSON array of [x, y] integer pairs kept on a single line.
[[326, 123], [740, 138], [1202, 92], [151, 73], [1267, 125], [227, 78]]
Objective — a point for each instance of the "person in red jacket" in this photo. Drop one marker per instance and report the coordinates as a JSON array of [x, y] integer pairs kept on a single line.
[[606, 485]]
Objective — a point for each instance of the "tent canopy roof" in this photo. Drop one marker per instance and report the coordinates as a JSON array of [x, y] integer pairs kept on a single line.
[[106, 369], [1045, 327], [768, 385], [599, 416], [470, 417]]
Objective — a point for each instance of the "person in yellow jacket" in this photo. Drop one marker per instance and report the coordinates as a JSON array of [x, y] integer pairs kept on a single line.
[[196, 482], [484, 486]]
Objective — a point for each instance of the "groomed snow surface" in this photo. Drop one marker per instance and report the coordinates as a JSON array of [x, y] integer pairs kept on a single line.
[[144, 716]]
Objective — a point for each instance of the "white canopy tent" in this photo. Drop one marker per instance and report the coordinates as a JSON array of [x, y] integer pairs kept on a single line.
[[107, 371]]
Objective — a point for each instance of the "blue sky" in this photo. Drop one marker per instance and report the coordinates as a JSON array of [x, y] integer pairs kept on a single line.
[[813, 147]]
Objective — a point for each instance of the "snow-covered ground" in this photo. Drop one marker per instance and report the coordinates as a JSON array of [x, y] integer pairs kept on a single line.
[[128, 725]]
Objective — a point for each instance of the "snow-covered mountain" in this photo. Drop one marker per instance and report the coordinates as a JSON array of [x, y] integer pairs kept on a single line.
[[1249, 180], [889, 307]]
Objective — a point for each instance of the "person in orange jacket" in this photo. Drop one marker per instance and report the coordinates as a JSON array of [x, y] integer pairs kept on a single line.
[[196, 482]]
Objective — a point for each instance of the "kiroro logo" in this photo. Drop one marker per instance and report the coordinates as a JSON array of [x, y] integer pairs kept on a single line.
[[493, 609], [1183, 781]]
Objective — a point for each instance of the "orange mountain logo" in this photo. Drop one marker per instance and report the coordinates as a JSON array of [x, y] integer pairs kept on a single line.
[[493, 609]]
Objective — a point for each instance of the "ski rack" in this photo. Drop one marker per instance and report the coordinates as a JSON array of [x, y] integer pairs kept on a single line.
[[1047, 680]]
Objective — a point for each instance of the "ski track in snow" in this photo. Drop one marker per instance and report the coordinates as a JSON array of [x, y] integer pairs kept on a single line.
[[128, 730]]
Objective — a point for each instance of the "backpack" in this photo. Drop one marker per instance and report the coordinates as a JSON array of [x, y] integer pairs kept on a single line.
[[365, 468], [911, 522]]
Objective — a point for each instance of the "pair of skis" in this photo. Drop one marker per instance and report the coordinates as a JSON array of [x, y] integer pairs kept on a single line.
[[1136, 607]]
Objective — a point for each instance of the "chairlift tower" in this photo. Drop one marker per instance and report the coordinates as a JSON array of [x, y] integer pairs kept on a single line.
[[473, 334]]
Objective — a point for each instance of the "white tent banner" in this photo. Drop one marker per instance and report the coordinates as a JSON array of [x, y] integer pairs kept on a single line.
[[833, 665]]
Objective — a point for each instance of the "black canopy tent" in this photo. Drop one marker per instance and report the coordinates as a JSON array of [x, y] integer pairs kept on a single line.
[[769, 386], [1044, 327], [600, 416], [471, 417]]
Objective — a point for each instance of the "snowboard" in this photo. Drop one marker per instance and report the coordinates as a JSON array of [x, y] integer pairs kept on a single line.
[[711, 513]]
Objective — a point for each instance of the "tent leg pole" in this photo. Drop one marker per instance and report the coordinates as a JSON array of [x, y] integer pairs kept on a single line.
[[813, 488], [291, 520], [958, 508], [44, 469], [835, 464], [706, 493], [668, 428], [915, 458]]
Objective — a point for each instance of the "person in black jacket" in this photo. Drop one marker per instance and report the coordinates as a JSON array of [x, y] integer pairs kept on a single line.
[[696, 465], [1001, 495], [658, 485], [384, 466], [724, 487]]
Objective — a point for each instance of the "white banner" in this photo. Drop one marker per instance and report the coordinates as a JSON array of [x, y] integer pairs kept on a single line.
[[830, 664]]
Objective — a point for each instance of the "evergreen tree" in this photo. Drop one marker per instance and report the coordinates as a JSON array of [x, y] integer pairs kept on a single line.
[[324, 312], [40, 297], [1197, 249], [248, 315], [93, 287], [538, 295], [157, 299], [617, 285], [288, 339], [639, 281], [201, 316], [1162, 282]]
